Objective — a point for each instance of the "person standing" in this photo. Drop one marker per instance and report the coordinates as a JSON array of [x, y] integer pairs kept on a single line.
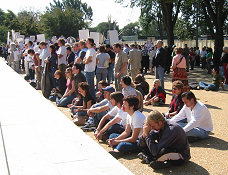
[[186, 55], [159, 62], [44, 54], [203, 57], [135, 58], [120, 68], [111, 64], [225, 64], [90, 65], [62, 55], [70, 57]]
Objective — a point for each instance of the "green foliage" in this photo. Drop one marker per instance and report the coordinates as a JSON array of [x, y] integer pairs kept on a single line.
[[3, 33], [103, 27], [131, 29]]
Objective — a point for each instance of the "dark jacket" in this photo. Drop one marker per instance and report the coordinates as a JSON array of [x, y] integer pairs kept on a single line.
[[172, 137], [61, 85], [46, 86], [80, 77], [160, 58]]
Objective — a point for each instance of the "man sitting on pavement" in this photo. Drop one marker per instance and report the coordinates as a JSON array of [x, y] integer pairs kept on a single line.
[[163, 144], [194, 117]]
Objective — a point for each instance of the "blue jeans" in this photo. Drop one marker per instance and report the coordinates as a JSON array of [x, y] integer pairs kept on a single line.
[[125, 147], [111, 73], [63, 102], [159, 74], [90, 80], [195, 132], [208, 86], [101, 74]]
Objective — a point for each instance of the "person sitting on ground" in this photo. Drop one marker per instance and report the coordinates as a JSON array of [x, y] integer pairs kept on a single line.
[[194, 117], [99, 95], [217, 81], [60, 88], [80, 112], [163, 144], [176, 103], [69, 94], [141, 84], [117, 124], [127, 142], [156, 96], [127, 84]]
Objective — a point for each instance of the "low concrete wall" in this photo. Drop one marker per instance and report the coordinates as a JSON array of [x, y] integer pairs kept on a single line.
[[40, 140]]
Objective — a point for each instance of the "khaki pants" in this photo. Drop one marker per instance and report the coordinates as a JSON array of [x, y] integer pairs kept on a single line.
[[117, 83], [134, 73], [62, 68], [38, 77]]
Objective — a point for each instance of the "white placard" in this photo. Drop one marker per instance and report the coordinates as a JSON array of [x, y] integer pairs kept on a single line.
[[83, 34], [13, 35], [26, 40], [32, 38], [19, 40], [54, 39], [40, 37], [8, 38], [17, 35], [113, 36], [96, 37]]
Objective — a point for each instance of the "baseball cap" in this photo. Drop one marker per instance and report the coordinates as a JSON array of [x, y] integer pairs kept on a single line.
[[109, 89]]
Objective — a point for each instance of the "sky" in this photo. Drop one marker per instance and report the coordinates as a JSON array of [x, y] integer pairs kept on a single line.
[[101, 10]]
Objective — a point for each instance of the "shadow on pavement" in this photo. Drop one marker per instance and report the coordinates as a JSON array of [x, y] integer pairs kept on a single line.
[[212, 107], [211, 142], [189, 168]]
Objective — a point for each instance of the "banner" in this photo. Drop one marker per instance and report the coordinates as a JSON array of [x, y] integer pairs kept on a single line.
[[13, 35], [113, 36], [96, 37], [40, 37], [83, 34], [32, 38], [8, 38]]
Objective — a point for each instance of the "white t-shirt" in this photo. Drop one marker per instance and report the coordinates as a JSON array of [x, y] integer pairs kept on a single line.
[[44, 54], [136, 121], [114, 111], [62, 51], [103, 60], [16, 55], [90, 67], [123, 116]]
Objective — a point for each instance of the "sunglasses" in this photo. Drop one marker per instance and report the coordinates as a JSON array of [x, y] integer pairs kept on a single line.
[[174, 88]]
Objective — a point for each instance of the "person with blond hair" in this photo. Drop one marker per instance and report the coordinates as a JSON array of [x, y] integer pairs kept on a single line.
[[156, 96], [163, 144]]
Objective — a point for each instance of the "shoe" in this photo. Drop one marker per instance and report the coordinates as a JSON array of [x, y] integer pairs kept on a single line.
[[157, 165], [116, 154], [145, 159]]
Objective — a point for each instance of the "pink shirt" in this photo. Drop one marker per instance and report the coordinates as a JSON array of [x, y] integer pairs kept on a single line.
[[176, 59]]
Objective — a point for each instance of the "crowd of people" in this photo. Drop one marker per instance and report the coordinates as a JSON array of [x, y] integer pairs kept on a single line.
[[66, 75]]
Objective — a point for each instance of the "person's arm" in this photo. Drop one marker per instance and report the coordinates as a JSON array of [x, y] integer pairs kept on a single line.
[[87, 60], [122, 69], [99, 109], [102, 122], [70, 91], [180, 116]]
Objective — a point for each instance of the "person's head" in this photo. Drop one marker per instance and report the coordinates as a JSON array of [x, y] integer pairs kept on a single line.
[[215, 71], [117, 47], [107, 47], [43, 45], [139, 78], [107, 91], [68, 50], [29, 43], [155, 120], [52, 48], [102, 84], [58, 74], [177, 87], [61, 42], [185, 45], [132, 46], [126, 45], [178, 50], [159, 43], [76, 68], [69, 73], [102, 48], [157, 83], [31, 52], [83, 88], [90, 42], [189, 99], [130, 104], [125, 81], [116, 98], [76, 47], [225, 49], [82, 44]]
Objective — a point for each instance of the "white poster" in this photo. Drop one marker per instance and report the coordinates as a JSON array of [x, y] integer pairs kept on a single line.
[[32, 38], [113, 36], [8, 38], [54, 39], [17, 35], [40, 37], [27, 40], [83, 34], [96, 37], [13, 35]]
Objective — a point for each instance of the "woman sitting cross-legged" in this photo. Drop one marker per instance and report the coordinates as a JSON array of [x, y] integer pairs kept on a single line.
[[156, 96], [69, 94], [80, 112], [60, 89], [127, 142], [176, 102]]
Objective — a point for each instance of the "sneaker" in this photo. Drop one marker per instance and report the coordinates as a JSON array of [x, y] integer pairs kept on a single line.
[[157, 165]]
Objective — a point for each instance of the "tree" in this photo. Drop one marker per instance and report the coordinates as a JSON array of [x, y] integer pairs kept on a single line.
[[131, 29], [103, 27]]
